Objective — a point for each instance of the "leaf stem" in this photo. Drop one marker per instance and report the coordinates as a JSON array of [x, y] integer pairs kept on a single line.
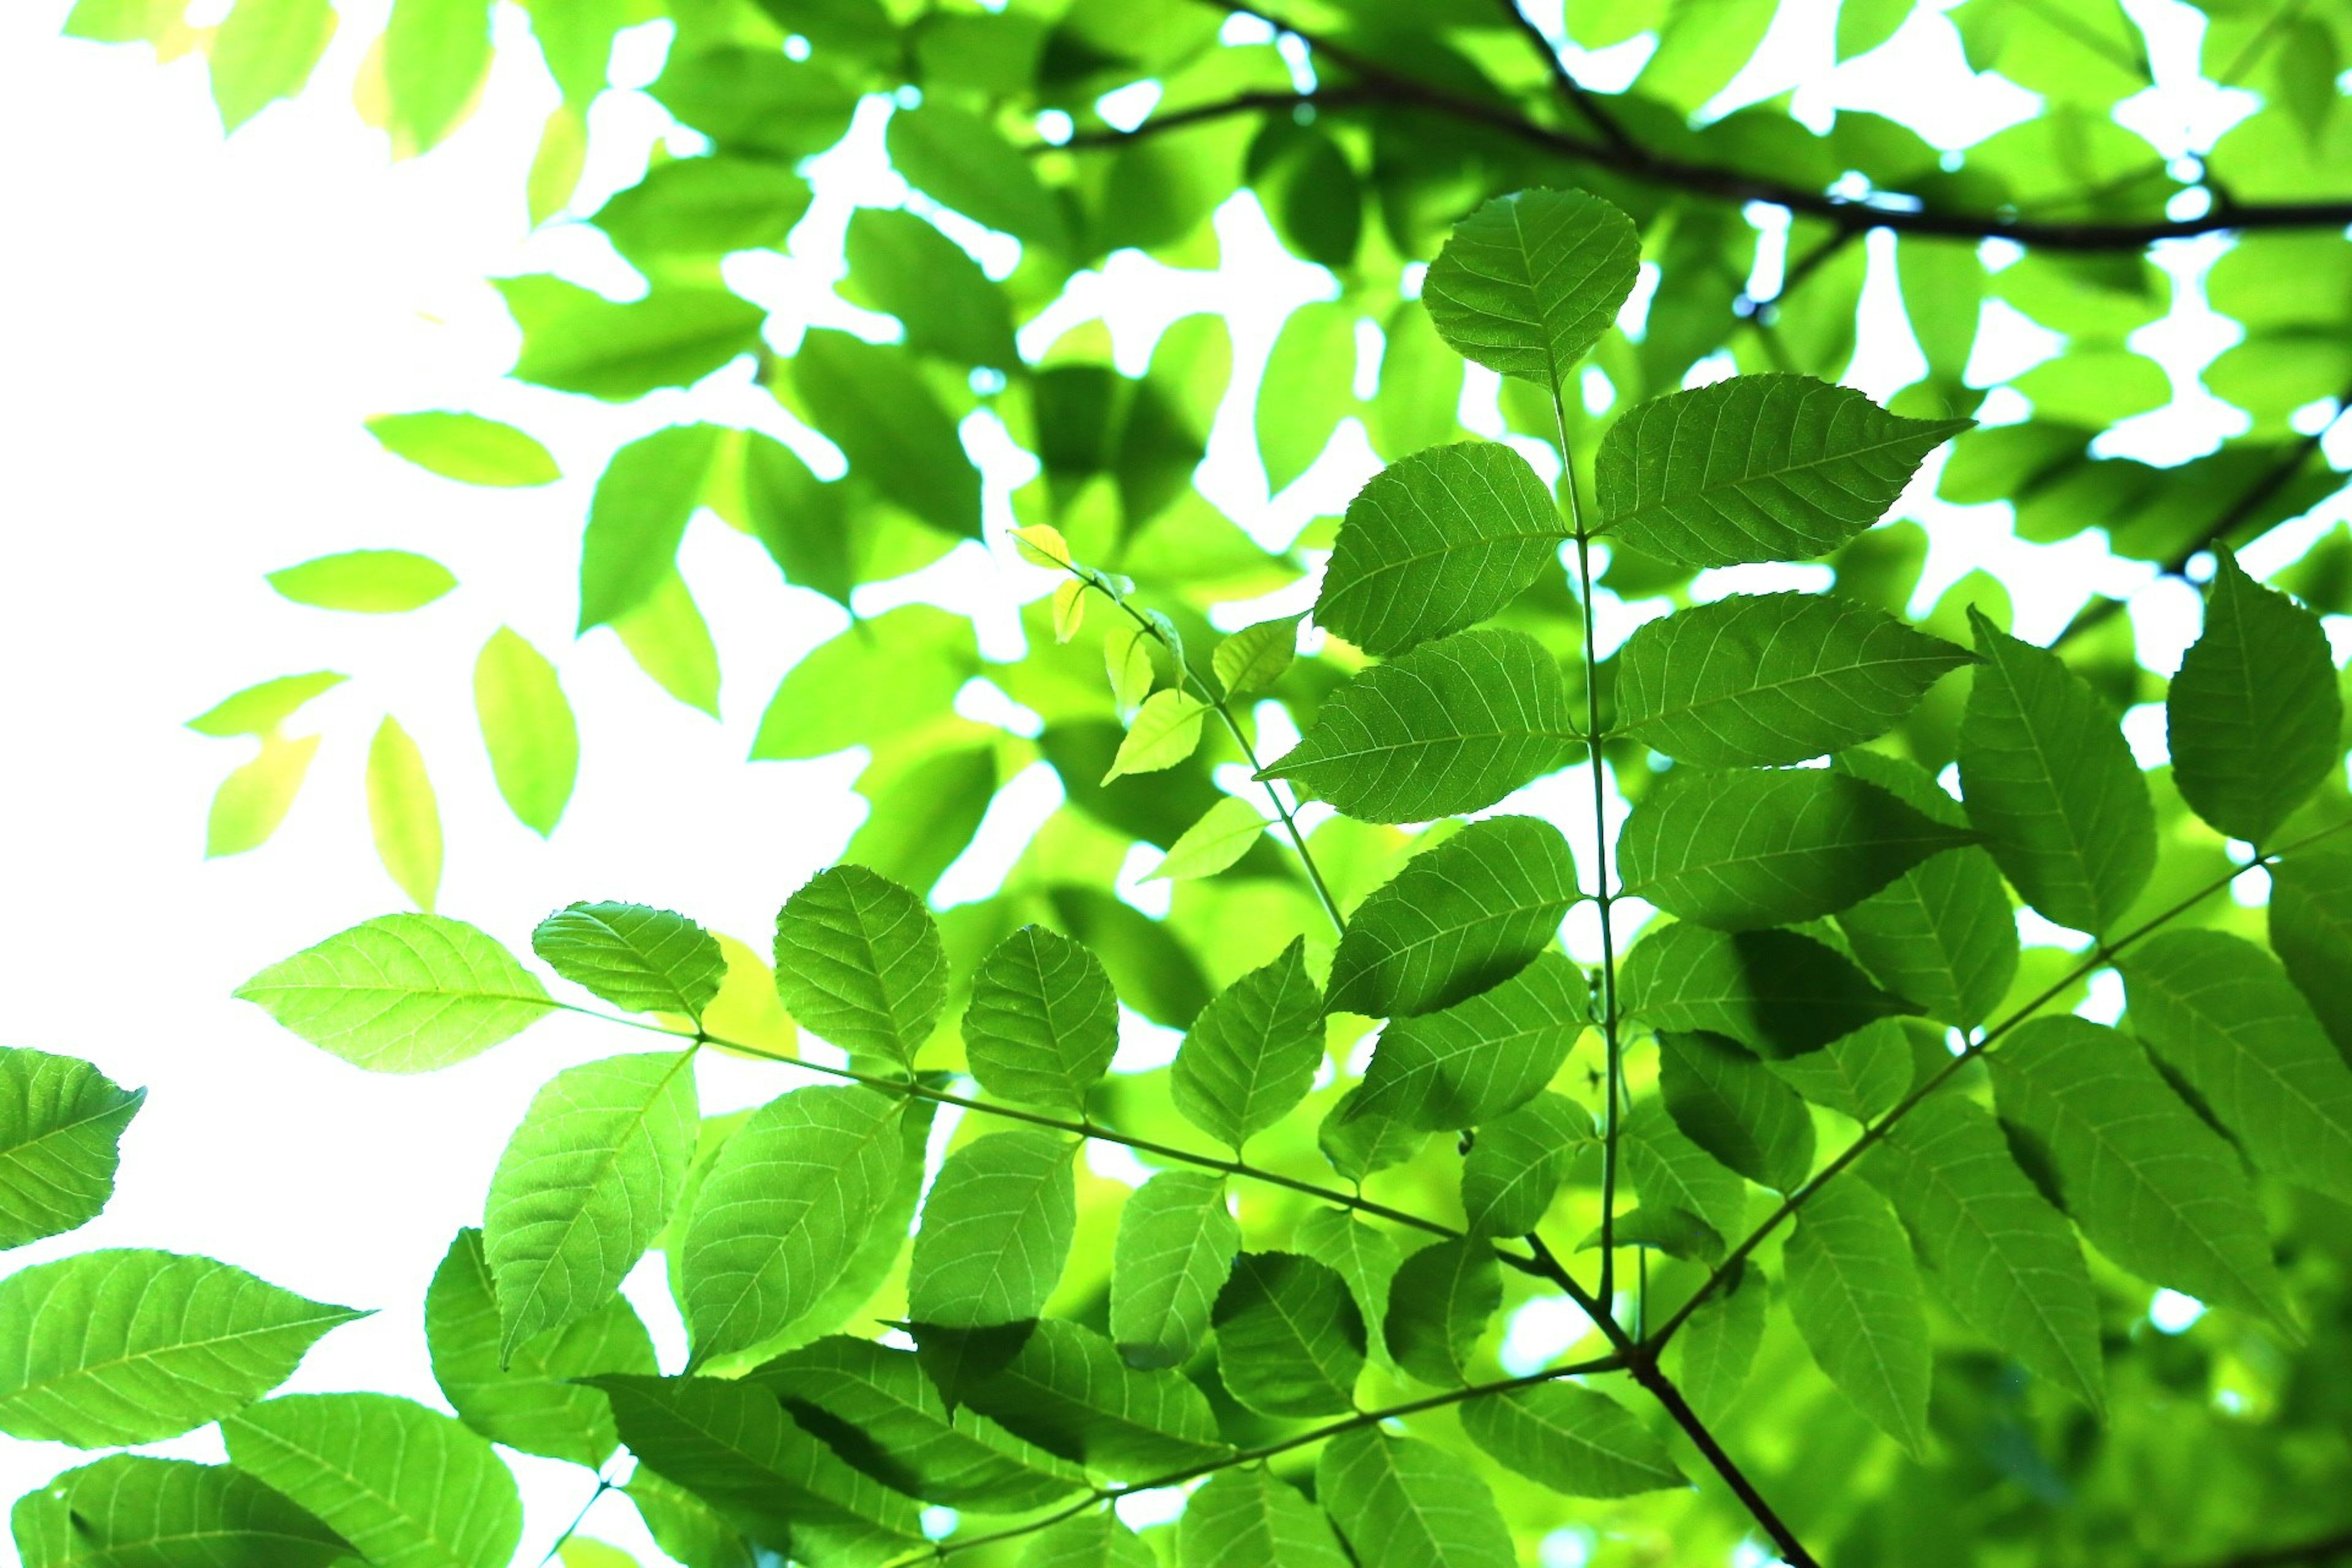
[[603, 1484]]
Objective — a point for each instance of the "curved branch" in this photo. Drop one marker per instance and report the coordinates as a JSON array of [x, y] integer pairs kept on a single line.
[[1584, 99]]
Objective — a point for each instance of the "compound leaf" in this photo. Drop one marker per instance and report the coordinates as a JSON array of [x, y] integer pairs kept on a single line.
[[640, 960], [404, 993], [1245, 1517], [528, 729], [1403, 1503], [129, 1509], [1439, 1301], [1290, 1340], [1483, 1056], [1775, 992], [1731, 1105], [1572, 1439], [1518, 1163]]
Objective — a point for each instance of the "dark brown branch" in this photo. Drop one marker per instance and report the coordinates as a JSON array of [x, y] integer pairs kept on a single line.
[[1579, 95], [2325, 1549], [1784, 1540], [1223, 109]]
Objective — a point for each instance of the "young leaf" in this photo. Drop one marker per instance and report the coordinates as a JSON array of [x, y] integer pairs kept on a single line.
[[783, 1212], [528, 728], [1854, 1294], [1176, 1243], [258, 709], [2151, 1185], [134, 1346], [1253, 1050], [2311, 930], [644, 499], [1403, 1504], [1528, 282], [1246, 1519], [255, 798], [1044, 1021], [574, 340], [1089, 1541], [436, 56], [532, 1403], [465, 447], [60, 1122], [370, 581], [1775, 992], [1166, 730], [2222, 1013], [1253, 658], [1290, 1340], [2006, 1260], [1069, 609], [2254, 718], [1435, 543], [1127, 655], [1743, 850], [1516, 1164], [1673, 1174], [640, 960], [996, 1231], [1730, 1105], [1758, 468], [401, 994], [584, 1185], [1451, 727], [401, 810], [265, 50], [667, 638], [1067, 1390], [1224, 834], [859, 962], [1439, 1304], [1764, 679], [2049, 781], [1459, 918], [1572, 1439], [1716, 1346], [1481, 1057], [128, 1509], [1363, 1255]]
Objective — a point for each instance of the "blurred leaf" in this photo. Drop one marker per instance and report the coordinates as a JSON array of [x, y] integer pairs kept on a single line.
[[437, 56], [527, 725], [265, 50], [253, 800], [260, 710], [402, 812], [575, 341], [371, 581], [961, 161], [668, 639], [898, 436], [465, 447], [704, 207], [899, 264]]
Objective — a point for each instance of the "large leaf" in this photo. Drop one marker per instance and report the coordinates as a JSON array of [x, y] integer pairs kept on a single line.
[[1731, 1105], [1403, 1504], [574, 341], [859, 961], [1177, 1238], [640, 960], [1042, 1022], [2151, 1185], [1290, 1341], [2049, 781], [2254, 720], [1758, 468], [1775, 992], [60, 1122], [401, 994], [1481, 1057], [1459, 918], [1759, 680], [584, 1185], [1529, 282], [1440, 1302], [1068, 1390], [996, 1231], [1451, 727], [528, 729], [1743, 850], [1246, 1519], [1518, 1163], [644, 499], [2004, 1258], [784, 1211], [1437, 542], [1855, 1296], [129, 1509], [1253, 1050], [134, 1346], [1572, 1439], [2311, 930]]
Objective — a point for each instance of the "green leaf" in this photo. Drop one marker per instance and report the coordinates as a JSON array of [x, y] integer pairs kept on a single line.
[[403, 814], [704, 207], [685, 1527], [1460, 917], [1758, 468], [1246, 1519], [586, 1184], [1127, 659], [528, 728], [1716, 1347], [1743, 850], [1671, 1174], [1300, 401], [1572, 1439], [370, 582], [734, 1446], [1068, 1390], [1249, 661], [802, 522], [1252, 1052], [436, 54], [1290, 1340], [1861, 1075], [1177, 1239], [1481, 1057], [960, 160], [643, 497], [61, 1121], [899, 264], [1089, 1541], [2006, 1260], [754, 101], [640, 960], [530, 1402], [575, 341], [2149, 1183], [258, 709], [1864, 25], [1451, 727], [859, 962], [253, 799], [1776, 992], [2223, 1014], [2049, 781], [134, 1346], [1224, 834], [897, 435], [996, 1231], [129, 1509], [1518, 1163], [2311, 930], [1730, 1105], [1357, 1145], [1440, 1302], [1942, 934], [880, 1410], [784, 1211], [1854, 1294], [465, 447], [1529, 282], [1403, 1504], [1437, 541], [668, 639], [1366, 1257], [1166, 730], [402, 994], [265, 50], [1042, 1024], [892, 676], [1763, 679], [2253, 719]]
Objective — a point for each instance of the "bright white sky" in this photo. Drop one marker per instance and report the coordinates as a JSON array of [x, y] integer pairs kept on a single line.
[[195, 331]]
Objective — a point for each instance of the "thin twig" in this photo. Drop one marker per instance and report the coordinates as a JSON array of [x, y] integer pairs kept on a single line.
[[1573, 90]]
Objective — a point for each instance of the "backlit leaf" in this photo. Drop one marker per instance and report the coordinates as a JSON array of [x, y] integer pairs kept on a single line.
[[896, 433], [265, 50], [1253, 658], [2311, 930], [1673, 1174], [402, 994], [1245, 1517], [996, 1231], [1222, 836], [1729, 1104], [527, 725], [1089, 1541], [1715, 1350], [639, 512], [859, 962], [1177, 1239], [1290, 1340], [1253, 1050], [258, 709], [1572, 1439], [667, 638], [465, 447], [640, 960], [1166, 730], [1529, 282], [704, 207], [1518, 1163], [1855, 1296], [60, 1121], [575, 341], [1484, 1056], [253, 800], [435, 55], [370, 582], [1775, 992], [1042, 1024], [128, 1509], [1068, 1390], [1403, 1503], [403, 813], [948, 306], [1460, 917], [1440, 1302]]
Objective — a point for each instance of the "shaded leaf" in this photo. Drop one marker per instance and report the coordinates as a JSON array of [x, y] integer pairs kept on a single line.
[[1068, 1390], [1439, 1301], [1245, 1517], [900, 264], [1290, 1340], [2311, 930], [1481, 1057], [1716, 1347], [1775, 992], [1516, 1164], [898, 436], [1673, 1174], [1854, 1294], [1729, 1104], [1177, 1239], [1572, 1439], [159, 1513], [1089, 1541]]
